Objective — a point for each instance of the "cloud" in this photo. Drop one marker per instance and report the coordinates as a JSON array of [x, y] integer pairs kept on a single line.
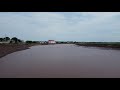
[[77, 26]]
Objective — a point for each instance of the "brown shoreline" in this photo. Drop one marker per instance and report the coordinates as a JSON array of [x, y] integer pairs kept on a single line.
[[115, 47], [6, 49]]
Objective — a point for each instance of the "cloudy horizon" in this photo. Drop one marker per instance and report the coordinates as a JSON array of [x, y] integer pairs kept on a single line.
[[61, 26]]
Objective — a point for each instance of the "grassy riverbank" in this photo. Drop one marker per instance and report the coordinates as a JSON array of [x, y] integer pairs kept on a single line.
[[113, 45], [10, 48]]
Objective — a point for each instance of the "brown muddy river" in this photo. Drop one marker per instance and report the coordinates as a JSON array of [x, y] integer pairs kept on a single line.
[[61, 61]]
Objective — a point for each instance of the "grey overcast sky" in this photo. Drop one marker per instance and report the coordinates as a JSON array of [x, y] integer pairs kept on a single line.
[[67, 26]]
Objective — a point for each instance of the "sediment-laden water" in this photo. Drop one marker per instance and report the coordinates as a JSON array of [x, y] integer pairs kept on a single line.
[[61, 61]]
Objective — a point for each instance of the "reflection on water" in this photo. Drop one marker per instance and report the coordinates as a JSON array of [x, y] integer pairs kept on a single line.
[[61, 61]]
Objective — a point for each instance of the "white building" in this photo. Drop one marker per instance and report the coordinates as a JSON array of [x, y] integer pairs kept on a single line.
[[51, 42]]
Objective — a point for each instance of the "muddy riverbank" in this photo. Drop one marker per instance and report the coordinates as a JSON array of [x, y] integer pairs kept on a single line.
[[101, 45], [6, 49]]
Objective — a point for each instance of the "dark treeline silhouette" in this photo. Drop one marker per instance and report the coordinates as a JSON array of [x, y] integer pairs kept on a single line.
[[31, 42], [5, 39], [14, 40], [66, 42]]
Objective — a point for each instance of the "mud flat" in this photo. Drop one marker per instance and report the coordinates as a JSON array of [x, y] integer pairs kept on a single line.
[[6, 49], [101, 45]]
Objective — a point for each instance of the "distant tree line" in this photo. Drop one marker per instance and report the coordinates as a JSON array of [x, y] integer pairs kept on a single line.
[[66, 42], [16, 40], [31, 42], [4, 39], [11, 40]]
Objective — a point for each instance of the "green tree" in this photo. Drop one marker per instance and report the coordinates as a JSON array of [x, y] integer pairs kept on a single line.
[[15, 39], [19, 40], [29, 42], [1, 39], [6, 38]]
